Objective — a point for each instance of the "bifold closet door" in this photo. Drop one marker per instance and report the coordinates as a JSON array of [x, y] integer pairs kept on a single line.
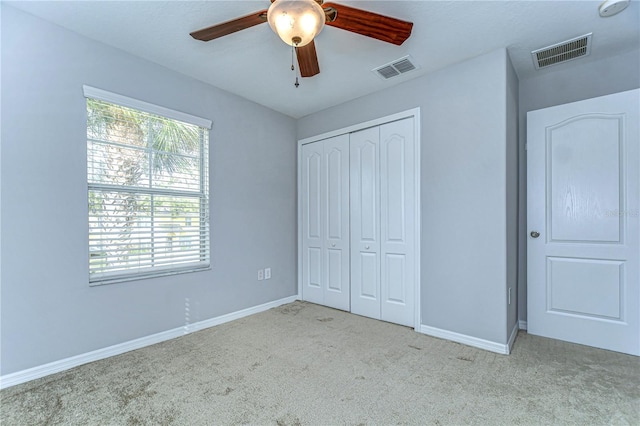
[[325, 222], [365, 225], [383, 223], [397, 222]]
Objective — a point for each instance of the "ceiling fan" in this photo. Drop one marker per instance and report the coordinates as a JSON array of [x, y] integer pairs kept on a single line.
[[297, 22]]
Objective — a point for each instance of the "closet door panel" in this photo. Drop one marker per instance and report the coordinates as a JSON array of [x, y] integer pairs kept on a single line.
[[369, 287], [365, 226], [367, 202], [313, 258], [397, 222], [336, 220], [312, 223]]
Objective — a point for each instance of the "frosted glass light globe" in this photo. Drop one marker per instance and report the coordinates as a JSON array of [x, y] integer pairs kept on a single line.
[[296, 22]]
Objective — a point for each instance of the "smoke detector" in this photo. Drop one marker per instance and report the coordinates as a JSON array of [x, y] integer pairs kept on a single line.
[[612, 7]]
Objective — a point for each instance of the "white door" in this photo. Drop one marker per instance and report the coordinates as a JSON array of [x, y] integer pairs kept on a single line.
[[583, 213], [397, 222], [312, 232], [325, 222], [365, 226], [383, 223], [336, 222]]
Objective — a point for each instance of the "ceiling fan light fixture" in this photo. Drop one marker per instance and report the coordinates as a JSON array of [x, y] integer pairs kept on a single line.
[[296, 22]]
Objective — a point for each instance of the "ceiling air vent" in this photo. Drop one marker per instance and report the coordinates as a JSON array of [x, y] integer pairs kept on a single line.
[[395, 68], [562, 52]]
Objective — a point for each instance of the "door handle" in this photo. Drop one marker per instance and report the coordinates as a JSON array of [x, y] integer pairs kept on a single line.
[[333, 244], [366, 247], [534, 234]]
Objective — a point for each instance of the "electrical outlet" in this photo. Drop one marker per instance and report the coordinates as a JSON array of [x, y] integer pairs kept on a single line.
[[260, 274], [267, 273]]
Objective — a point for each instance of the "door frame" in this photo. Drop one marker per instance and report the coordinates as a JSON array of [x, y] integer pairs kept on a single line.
[[415, 113]]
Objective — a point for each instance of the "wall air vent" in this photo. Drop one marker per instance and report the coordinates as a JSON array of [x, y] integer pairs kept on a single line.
[[562, 52], [395, 68]]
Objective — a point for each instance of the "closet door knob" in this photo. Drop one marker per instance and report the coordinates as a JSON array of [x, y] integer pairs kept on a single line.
[[534, 234], [366, 247], [333, 244]]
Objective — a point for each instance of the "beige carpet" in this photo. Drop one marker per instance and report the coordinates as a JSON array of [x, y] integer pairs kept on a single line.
[[306, 364]]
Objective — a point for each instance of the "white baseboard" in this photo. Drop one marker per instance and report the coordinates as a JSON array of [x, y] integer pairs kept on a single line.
[[523, 325], [64, 364], [465, 339], [512, 337]]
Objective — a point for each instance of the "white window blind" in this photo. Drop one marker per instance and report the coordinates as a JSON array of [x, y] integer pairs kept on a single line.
[[148, 191]]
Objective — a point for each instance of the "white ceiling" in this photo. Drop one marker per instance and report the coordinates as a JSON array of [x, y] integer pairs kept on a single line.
[[255, 64]]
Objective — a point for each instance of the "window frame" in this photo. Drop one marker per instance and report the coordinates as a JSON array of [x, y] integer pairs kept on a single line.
[[157, 271]]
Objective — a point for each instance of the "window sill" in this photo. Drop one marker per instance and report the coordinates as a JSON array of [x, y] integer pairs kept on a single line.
[[116, 280]]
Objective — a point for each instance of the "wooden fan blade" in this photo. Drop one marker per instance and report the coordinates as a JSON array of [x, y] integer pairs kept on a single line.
[[370, 24], [308, 60], [229, 27]]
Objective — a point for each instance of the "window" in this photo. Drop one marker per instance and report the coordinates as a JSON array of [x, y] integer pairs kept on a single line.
[[147, 170]]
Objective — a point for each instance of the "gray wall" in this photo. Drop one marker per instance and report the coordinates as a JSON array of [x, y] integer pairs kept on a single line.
[[464, 236], [570, 82], [48, 310]]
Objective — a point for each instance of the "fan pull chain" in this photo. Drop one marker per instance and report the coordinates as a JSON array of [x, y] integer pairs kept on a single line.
[[293, 68]]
